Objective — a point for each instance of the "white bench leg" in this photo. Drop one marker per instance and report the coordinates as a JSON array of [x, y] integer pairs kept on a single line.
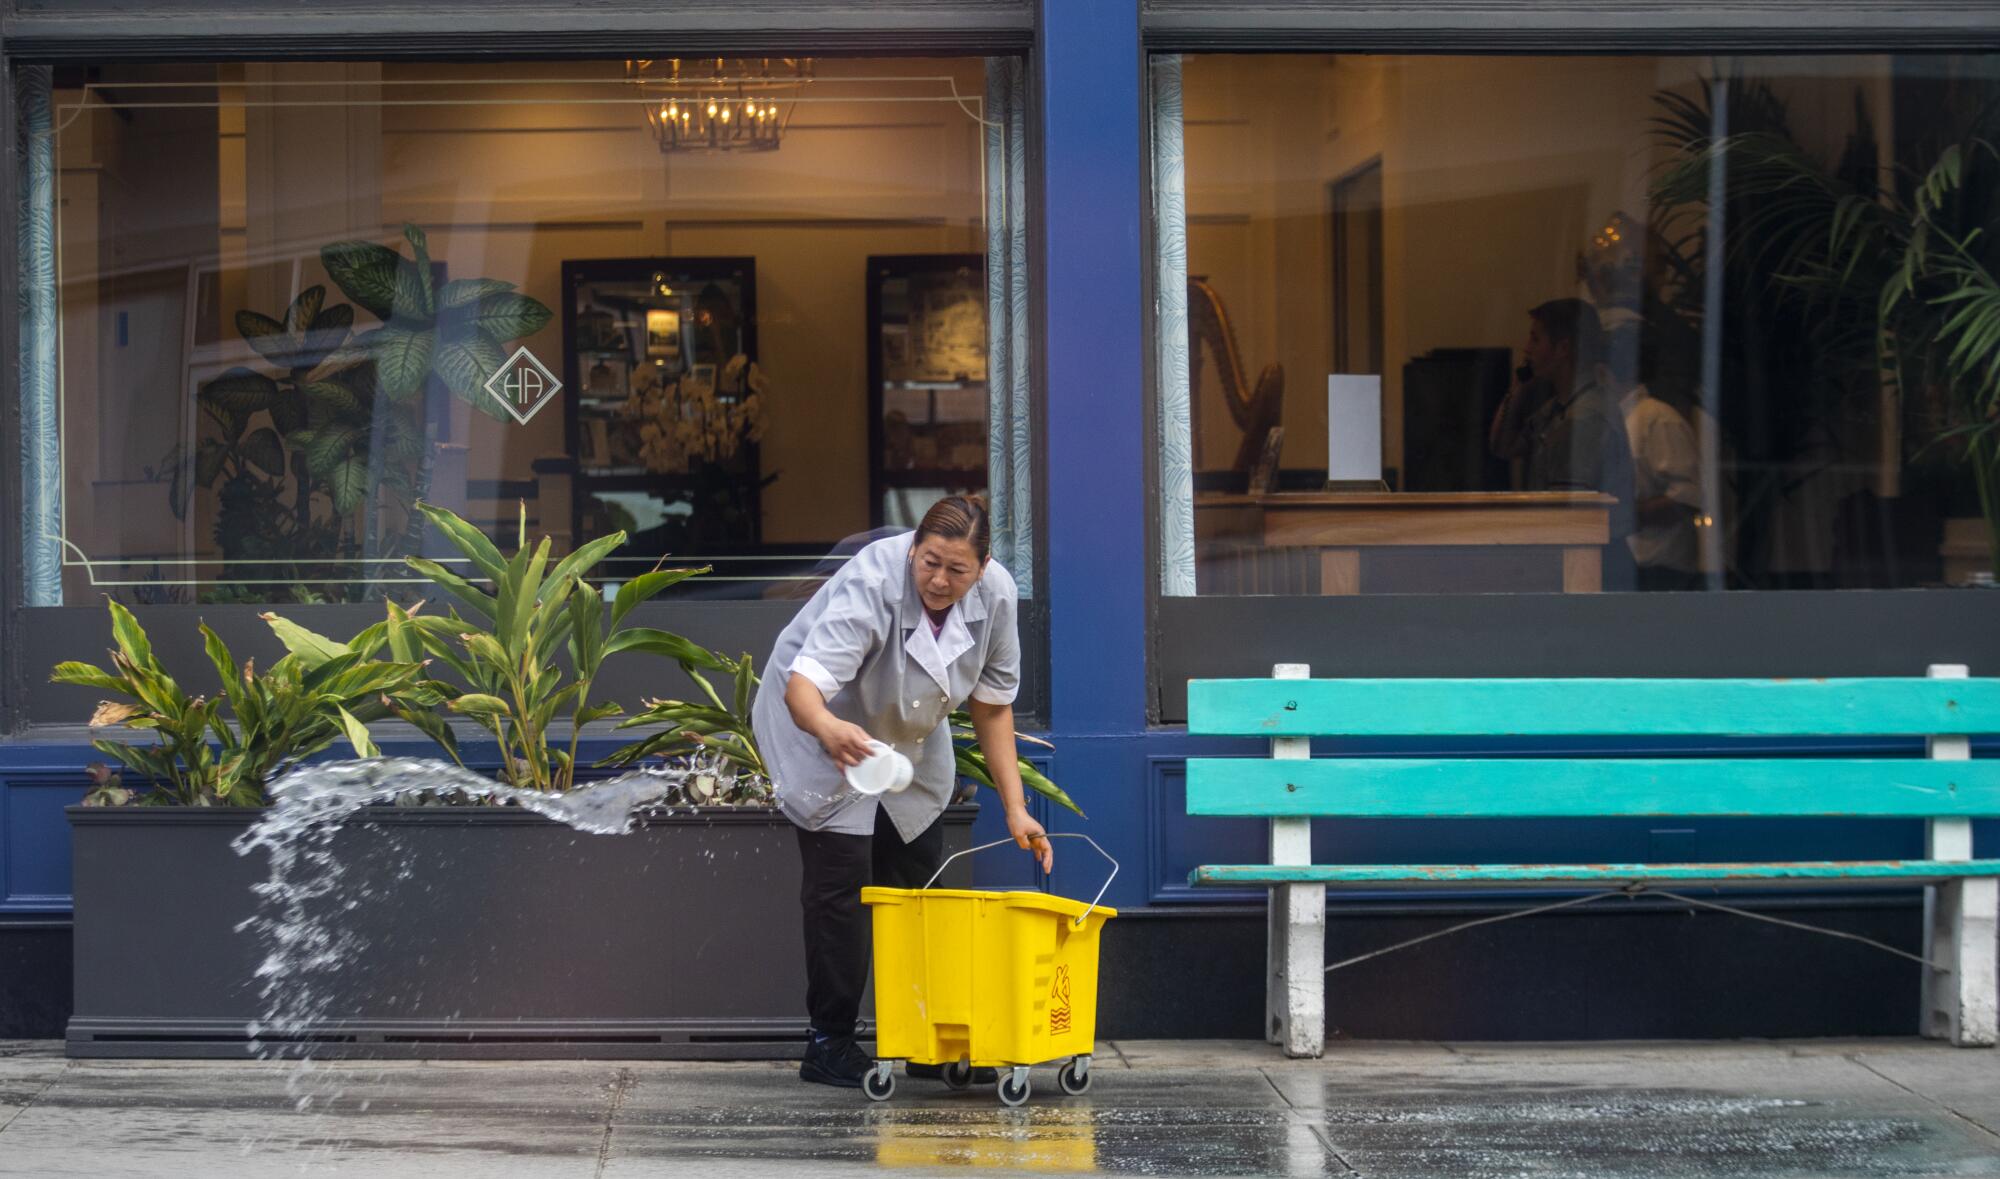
[[1959, 920], [1295, 996], [1959, 1001], [1277, 948], [1295, 975]]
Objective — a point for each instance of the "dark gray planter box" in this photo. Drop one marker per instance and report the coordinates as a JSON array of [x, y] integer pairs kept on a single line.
[[512, 937]]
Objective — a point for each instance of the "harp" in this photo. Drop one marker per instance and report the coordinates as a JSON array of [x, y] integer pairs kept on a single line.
[[1254, 410]]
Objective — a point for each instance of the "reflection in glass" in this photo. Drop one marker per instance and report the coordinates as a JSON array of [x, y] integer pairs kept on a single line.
[[1657, 323], [287, 301], [927, 376], [667, 404]]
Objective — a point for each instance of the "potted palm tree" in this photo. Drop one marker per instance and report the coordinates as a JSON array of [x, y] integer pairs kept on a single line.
[[1887, 280]]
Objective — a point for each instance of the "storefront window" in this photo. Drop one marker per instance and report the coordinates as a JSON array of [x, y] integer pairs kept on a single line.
[[1437, 324], [266, 308]]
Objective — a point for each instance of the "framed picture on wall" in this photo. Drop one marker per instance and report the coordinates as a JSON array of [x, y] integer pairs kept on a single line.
[[637, 332], [948, 327], [663, 333], [700, 380], [927, 327]]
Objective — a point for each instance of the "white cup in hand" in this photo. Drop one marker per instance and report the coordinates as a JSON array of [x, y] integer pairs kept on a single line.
[[883, 771]]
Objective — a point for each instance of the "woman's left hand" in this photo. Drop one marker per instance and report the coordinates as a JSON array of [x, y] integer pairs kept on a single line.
[[1029, 837]]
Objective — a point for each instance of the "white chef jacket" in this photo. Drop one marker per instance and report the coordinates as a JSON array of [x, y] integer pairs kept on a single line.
[[1665, 461], [865, 642]]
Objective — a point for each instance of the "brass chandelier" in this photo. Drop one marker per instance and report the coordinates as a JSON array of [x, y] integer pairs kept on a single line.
[[719, 103]]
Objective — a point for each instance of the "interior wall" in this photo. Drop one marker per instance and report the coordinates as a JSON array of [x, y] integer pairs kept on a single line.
[[1495, 172], [137, 201], [81, 167], [1258, 232], [812, 333], [868, 167]]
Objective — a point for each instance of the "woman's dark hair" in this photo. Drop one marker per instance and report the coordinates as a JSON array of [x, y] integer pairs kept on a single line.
[[958, 517]]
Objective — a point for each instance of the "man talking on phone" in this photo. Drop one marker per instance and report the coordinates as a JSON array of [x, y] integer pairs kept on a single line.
[[1564, 425]]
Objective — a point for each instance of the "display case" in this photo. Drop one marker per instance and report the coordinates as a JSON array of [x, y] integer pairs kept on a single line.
[[927, 399], [661, 411]]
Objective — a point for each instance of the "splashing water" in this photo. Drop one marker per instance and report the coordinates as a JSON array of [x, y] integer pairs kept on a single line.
[[302, 900]]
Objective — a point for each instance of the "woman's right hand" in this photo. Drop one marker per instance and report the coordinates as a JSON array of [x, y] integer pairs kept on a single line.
[[845, 742]]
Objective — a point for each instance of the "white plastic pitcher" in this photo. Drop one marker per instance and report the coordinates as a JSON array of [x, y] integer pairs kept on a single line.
[[883, 771]]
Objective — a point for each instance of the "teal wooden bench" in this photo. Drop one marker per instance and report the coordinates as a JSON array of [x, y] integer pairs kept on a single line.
[[1291, 788]]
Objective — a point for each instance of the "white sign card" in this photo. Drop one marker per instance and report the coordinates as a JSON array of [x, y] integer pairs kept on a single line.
[[1353, 427]]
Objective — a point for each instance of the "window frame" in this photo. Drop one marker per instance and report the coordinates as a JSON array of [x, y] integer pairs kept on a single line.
[[1735, 633], [131, 31], [1566, 27]]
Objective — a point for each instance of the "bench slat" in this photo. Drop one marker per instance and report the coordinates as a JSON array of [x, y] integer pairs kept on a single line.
[[1572, 787], [1901, 871], [1887, 706]]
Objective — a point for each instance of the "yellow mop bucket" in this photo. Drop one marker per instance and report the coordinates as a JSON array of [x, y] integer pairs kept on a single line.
[[967, 979]]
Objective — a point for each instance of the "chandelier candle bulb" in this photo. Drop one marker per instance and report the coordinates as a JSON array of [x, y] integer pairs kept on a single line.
[[726, 119]]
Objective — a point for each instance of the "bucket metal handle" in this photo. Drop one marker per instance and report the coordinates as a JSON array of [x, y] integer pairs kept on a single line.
[[1046, 835]]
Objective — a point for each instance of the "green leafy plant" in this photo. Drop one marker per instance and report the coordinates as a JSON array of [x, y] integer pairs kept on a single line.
[[107, 786], [457, 331], [1922, 270], [716, 725], [972, 763], [323, 418], [1790, 408], [1872, 281], [321, 692], [505, 647], [723, 727], [257, 453], [326, 457]]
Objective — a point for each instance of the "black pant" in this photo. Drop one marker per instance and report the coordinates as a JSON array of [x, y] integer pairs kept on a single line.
[[839, 929]]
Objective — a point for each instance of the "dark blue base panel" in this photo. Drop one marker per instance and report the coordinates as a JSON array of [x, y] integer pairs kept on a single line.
[[1564, 976], [1579, 975], [35, 995]]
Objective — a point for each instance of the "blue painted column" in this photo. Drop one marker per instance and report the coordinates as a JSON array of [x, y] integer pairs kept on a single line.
[[1088, 69]]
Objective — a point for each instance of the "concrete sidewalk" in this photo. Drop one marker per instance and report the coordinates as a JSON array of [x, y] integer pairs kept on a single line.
[[1815, 1108]]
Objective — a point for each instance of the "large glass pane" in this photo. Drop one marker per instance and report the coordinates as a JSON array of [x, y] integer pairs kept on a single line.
[[1575, 324], [293, 299]]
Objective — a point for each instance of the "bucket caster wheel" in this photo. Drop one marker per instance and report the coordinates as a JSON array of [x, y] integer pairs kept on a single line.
[[1013, 1087], [1074, 1077], [879, 1082], [957, 1074]]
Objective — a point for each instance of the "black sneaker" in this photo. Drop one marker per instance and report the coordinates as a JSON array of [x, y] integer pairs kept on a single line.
[[836, 1060]]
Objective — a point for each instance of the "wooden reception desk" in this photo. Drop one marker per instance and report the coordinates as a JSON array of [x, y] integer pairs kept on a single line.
[[1343, 526]]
